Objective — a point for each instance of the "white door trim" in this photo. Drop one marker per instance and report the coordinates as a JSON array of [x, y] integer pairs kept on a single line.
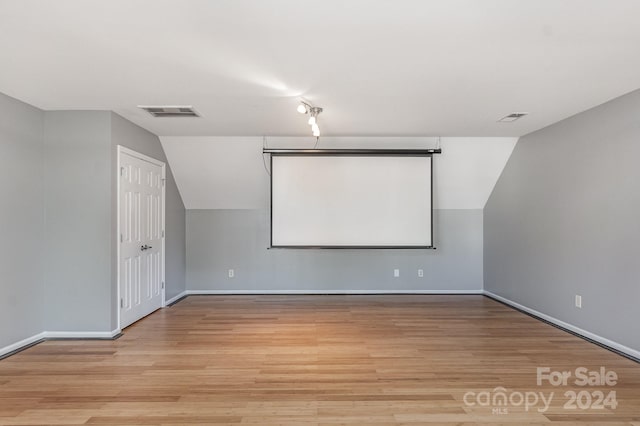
[[124, 150]]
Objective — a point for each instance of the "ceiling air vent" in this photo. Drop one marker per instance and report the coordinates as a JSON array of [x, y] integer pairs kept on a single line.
[[170, 111], [512, 117]]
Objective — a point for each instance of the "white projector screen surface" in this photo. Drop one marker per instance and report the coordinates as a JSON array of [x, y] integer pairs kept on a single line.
[[350, 201]]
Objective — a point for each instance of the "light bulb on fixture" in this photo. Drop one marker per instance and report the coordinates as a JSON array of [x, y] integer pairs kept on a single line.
[[313, 111]]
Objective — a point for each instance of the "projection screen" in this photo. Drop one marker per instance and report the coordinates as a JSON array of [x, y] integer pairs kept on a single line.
[[351, 201]]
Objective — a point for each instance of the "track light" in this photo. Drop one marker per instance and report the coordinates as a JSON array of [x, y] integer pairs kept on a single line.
[[305, 108]]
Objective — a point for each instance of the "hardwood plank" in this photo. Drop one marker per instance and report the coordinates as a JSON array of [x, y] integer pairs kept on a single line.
[[312, 360]]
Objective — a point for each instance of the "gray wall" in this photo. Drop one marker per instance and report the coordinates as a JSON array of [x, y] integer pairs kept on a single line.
[[564, 219], [140, 140], [81, 217], [77, 238], [21, 221], [80, 196], [219, 240], [58, 251]]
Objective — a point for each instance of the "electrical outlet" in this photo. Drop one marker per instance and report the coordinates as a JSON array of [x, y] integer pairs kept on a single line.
[[578, 301], [420, 273], [396, 273], [232, 273]]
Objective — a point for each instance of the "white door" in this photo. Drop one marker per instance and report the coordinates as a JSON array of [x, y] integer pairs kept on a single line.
[[141, 227]]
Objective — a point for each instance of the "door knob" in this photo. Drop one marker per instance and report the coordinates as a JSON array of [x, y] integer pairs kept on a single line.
[[145, 247]]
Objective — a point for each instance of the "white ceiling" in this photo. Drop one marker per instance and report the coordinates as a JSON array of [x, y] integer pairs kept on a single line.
[[385, 67], [229, 172]]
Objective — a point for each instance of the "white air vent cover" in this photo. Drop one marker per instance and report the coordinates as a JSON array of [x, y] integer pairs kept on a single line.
[[170, 111], [512, 117]]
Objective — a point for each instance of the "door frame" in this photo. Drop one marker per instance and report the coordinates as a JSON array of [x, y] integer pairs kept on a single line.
[[124, 150]]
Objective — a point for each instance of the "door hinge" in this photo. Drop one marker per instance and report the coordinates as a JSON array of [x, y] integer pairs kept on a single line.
[[162, 284], [121, 238], [121, 171], [163, 233], [121, 303], [163, 181]]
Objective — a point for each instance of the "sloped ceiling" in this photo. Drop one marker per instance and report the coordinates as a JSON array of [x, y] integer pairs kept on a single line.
[[384, 67], [231, 172]]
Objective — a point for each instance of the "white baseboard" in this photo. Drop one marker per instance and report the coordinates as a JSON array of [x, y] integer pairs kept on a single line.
[[81, 334], [342, 292], [610, 343], [22, 343], [173, 299], [58, 335]]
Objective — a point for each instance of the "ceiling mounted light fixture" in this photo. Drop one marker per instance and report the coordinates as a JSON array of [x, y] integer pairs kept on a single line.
[[313, 111]]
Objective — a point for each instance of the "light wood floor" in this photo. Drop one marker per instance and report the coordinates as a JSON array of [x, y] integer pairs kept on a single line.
[[310, 360]]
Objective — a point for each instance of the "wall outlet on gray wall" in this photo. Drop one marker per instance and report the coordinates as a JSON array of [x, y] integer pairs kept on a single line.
[[420, 273], [232, 273], [578, 301], [396, 273]]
